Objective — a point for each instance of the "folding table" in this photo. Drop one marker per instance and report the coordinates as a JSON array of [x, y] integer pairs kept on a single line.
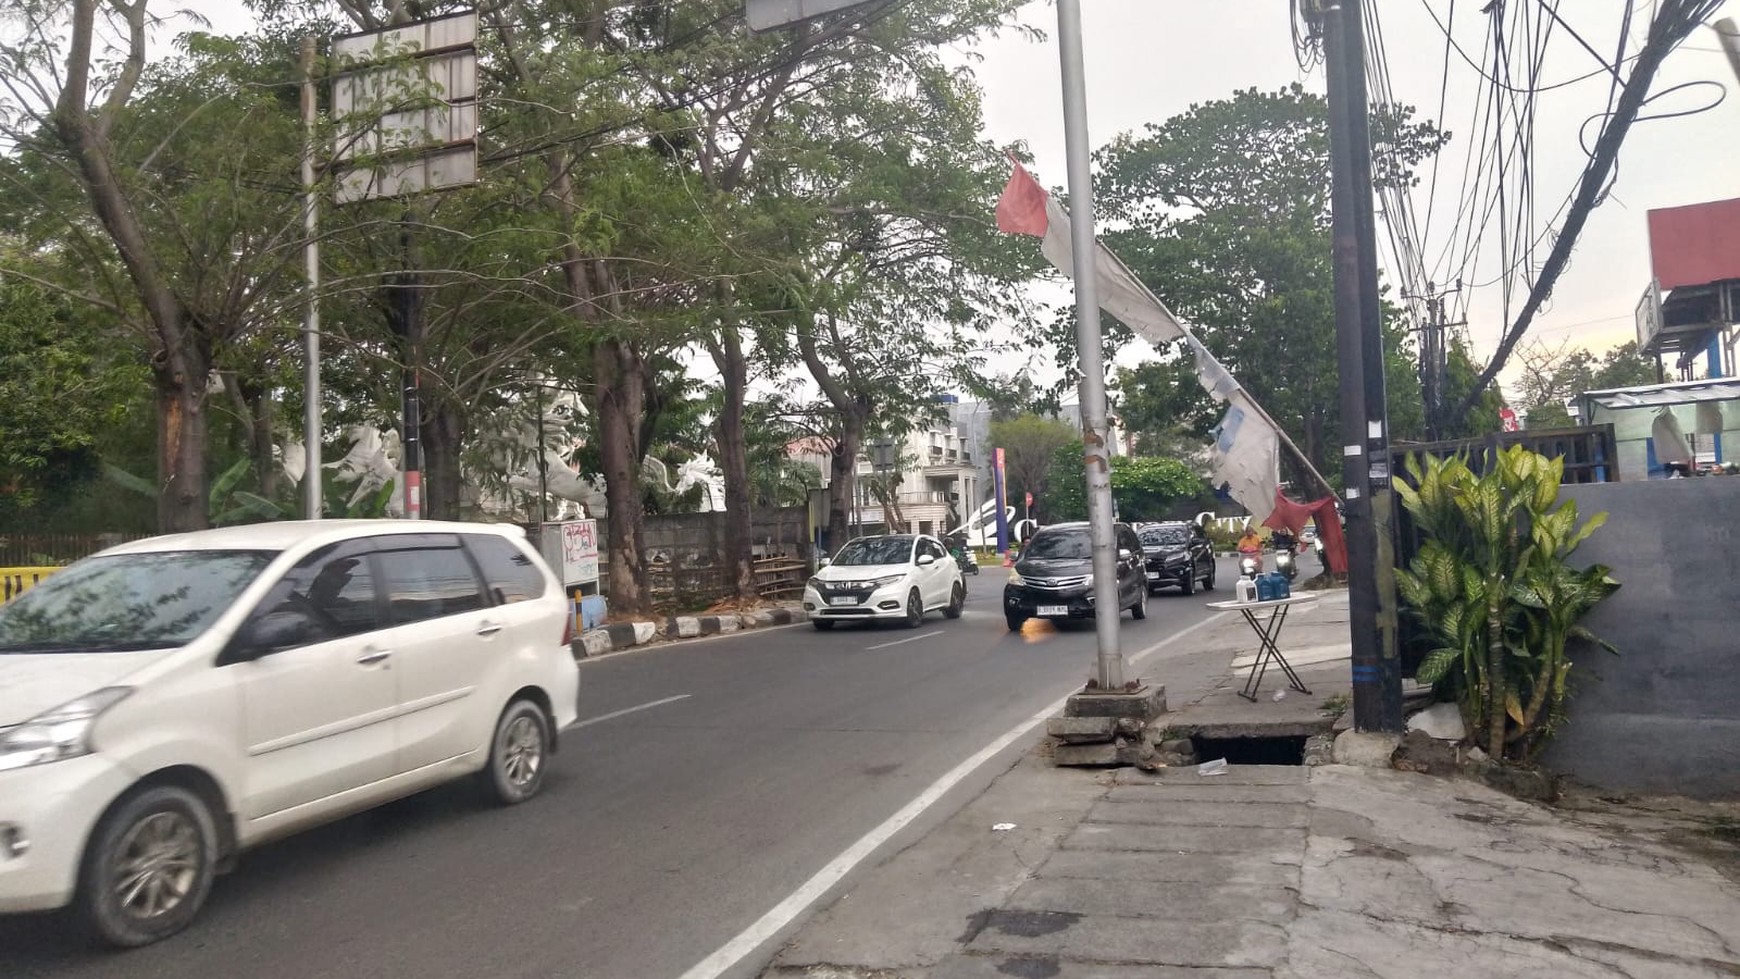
[[1268, 633]]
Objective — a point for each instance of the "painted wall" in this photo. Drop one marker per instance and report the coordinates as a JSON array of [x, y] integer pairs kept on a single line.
[[1664, 715]]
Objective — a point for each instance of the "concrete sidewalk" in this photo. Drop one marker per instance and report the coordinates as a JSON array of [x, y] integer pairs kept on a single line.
[[1273, 872]]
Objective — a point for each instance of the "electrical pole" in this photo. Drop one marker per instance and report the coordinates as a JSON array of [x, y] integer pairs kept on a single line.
[[1369, 503], [1110, 673], [311, 427]]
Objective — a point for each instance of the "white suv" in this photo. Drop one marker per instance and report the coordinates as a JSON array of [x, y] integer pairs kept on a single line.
[[170, 702], [893, 576]]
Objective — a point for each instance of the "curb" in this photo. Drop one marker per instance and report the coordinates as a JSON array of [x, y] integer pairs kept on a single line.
[[618, 636]]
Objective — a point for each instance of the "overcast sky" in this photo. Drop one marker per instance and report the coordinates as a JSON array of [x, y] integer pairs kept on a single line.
[[1148, 60]]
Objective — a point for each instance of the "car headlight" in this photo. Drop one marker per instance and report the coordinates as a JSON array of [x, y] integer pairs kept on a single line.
[[59, 734], [886, 580], [1015, 577], [815, 583], [1177, 559]]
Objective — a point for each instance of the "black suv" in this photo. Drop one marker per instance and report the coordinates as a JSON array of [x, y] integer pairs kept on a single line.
[[1054, 578], [1177, 554]]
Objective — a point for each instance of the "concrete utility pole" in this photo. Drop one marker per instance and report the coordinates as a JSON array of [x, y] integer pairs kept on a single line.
[[311, 495], [1110, 674], [1369, 503], [1730, 34]]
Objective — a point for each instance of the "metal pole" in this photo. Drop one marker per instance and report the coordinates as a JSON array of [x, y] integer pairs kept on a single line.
[[1377, 702], [1087, 332], [410, 321], [311, 495]]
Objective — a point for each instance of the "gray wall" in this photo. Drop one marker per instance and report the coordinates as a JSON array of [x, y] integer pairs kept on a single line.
[[1663, 715]]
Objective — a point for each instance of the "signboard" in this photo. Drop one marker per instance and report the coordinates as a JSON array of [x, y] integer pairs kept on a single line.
[[766, 15], [1507, 419], [405, 101], [571, 548], [1648, 316]]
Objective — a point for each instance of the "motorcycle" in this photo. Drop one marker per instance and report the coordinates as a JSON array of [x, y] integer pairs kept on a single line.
[[967, 562], [1285, 564], [1250, 565]]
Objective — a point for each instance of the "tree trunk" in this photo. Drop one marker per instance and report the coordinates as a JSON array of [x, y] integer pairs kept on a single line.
[[256, 400], [443, 438], [734, 464], [621, 395], [842, 481], [182, 434]]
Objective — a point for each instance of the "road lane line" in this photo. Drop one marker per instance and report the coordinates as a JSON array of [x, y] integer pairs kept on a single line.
[[812, 890], [902, 642], [613, 715]]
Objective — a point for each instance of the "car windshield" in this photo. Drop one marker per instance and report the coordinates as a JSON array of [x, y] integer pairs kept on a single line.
[[1161, 536], [152, 600], [1063, 545], [875, 550]]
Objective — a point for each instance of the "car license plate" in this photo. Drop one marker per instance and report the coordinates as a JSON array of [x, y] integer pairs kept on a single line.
[[1153, 576], [843, 600], [1053, 610]]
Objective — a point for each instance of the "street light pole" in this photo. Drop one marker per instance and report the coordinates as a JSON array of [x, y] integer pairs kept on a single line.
[[1110, 674]]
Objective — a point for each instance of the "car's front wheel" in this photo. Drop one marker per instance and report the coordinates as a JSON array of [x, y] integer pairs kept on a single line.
[[148, 867], [1208, 579], [1188, 585], [1140, 609], [519, 754], [957, 602], [914, 609], [1015, 620]]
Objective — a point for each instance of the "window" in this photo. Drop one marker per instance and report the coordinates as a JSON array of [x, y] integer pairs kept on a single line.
[[429, 581], [1066, 545], [144, 600], [933, 549], [511, 574], [871, 551], [329, 595]]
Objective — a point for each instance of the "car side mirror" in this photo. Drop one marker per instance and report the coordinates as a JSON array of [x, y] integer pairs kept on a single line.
[[1124, 554], [272, 632], [823, 561], [926, 560]]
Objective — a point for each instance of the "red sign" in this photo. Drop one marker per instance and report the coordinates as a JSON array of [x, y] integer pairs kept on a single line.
[[1030, 501], [1507, 416]]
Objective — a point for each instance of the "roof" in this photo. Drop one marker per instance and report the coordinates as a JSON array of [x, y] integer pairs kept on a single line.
[[1695, 245], [1656, 395], [284, 534]]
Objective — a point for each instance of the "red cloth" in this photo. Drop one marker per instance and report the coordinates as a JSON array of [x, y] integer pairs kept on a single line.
[[1291, 517], [1021, 209]]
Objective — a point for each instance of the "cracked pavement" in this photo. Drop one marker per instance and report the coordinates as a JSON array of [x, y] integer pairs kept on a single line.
[[1277, 873]]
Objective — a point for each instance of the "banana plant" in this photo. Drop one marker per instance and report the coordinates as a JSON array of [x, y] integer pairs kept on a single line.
[[1493, 586]]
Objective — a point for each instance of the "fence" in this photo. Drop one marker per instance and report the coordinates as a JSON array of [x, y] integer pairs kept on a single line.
[[1588, 451], [42, 550], [17, 581], [685, 555]]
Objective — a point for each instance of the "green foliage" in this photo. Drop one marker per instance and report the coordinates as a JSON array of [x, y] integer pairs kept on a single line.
[[1552, 377], [1144, 488], [1029, 442], [1493, 586]]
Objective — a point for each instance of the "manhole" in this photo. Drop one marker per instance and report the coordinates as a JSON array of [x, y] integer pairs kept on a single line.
[[1252, 751]]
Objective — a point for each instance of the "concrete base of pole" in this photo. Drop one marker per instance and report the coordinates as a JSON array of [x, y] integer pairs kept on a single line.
[[1144, 703]]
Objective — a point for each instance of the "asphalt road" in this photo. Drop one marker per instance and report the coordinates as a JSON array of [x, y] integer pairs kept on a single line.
[[663, 832]]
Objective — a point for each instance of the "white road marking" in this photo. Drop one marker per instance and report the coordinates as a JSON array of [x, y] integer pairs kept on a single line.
[[902, 642], [600, 719], [812, 890]]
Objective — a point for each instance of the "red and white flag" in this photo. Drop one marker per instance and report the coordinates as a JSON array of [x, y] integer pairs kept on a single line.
[[1247, 444]]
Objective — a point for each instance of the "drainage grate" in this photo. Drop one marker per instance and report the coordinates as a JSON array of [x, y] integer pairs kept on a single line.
[[1252, 751]]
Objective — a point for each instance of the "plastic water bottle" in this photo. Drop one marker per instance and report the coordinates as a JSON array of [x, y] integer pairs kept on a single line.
[[1245, 590], [1265, 588]]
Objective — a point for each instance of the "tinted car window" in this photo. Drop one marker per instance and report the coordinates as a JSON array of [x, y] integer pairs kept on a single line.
[[122, 602], [876, 550], [1070, 545], [328, 595], [1162, 536], [511, 574], [428, 582]]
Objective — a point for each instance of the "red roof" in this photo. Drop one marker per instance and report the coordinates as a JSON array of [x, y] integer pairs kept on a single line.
[[1695, 245]]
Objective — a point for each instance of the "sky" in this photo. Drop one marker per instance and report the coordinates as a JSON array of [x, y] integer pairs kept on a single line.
[[1148, 60]]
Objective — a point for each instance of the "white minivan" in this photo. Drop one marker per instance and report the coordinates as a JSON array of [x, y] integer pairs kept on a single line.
[[170, 702]]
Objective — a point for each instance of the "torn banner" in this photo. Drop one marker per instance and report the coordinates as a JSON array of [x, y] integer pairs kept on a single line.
[[1247, 442], [1291, 517]]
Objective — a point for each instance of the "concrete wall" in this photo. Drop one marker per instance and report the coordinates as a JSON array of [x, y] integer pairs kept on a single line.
[[1663, 715]]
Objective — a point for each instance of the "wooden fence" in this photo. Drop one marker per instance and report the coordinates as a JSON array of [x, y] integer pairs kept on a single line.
[[43, 550]]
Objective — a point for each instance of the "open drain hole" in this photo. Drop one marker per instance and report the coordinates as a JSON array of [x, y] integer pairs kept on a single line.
[[1251, 751]]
